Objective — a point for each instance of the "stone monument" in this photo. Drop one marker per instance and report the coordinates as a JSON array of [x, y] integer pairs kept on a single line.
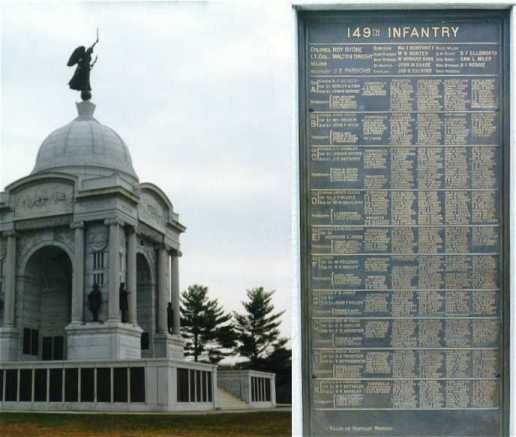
[[83, 210], [89, 262]]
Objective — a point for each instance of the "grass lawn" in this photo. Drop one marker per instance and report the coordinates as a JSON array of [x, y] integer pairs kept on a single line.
[[266, 424]]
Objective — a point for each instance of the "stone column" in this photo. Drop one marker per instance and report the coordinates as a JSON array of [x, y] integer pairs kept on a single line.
[[131, 275], [273, 389], [164, 288], [176, 293], [10, 281], [114, 270], [78, 274]]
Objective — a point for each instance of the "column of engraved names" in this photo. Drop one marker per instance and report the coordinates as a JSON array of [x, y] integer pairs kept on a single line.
[[405, 231]]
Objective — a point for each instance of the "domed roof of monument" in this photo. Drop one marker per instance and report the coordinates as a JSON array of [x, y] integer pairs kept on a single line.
[[84, 144]]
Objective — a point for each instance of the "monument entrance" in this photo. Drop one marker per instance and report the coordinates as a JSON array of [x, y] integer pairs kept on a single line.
[[146, 303], [404, 127], [46, 304]]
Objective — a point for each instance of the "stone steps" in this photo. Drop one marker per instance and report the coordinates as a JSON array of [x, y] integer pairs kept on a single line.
[[228, 401]]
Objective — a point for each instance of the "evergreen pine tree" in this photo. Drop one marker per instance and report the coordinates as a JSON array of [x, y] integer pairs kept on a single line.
[[257, 329], [206, 327]]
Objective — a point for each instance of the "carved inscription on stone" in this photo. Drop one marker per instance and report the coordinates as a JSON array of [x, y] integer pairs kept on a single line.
[[45, 198], [403, 157]]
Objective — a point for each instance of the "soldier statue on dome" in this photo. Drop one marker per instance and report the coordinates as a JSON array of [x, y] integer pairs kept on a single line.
[[80, 80]]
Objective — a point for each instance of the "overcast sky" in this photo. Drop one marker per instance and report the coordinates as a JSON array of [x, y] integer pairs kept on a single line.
[[202, 94]]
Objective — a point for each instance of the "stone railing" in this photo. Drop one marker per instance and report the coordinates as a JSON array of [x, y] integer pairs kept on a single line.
[[257, 389], [136, 385]]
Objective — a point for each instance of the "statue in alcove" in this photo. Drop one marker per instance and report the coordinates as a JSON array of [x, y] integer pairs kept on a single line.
[[170, 318], [124, 302], [95, 302]]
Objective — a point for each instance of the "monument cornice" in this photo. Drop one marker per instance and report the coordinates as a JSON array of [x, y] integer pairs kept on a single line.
[[177, 226], [149, 232], [108, 192], [38, 177], [43, 222]]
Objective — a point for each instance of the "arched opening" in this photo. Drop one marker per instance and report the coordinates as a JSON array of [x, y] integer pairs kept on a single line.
[[144, 303], [46, 304]]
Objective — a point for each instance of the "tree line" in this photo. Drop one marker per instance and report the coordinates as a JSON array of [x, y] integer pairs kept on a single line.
[[212, 334]]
